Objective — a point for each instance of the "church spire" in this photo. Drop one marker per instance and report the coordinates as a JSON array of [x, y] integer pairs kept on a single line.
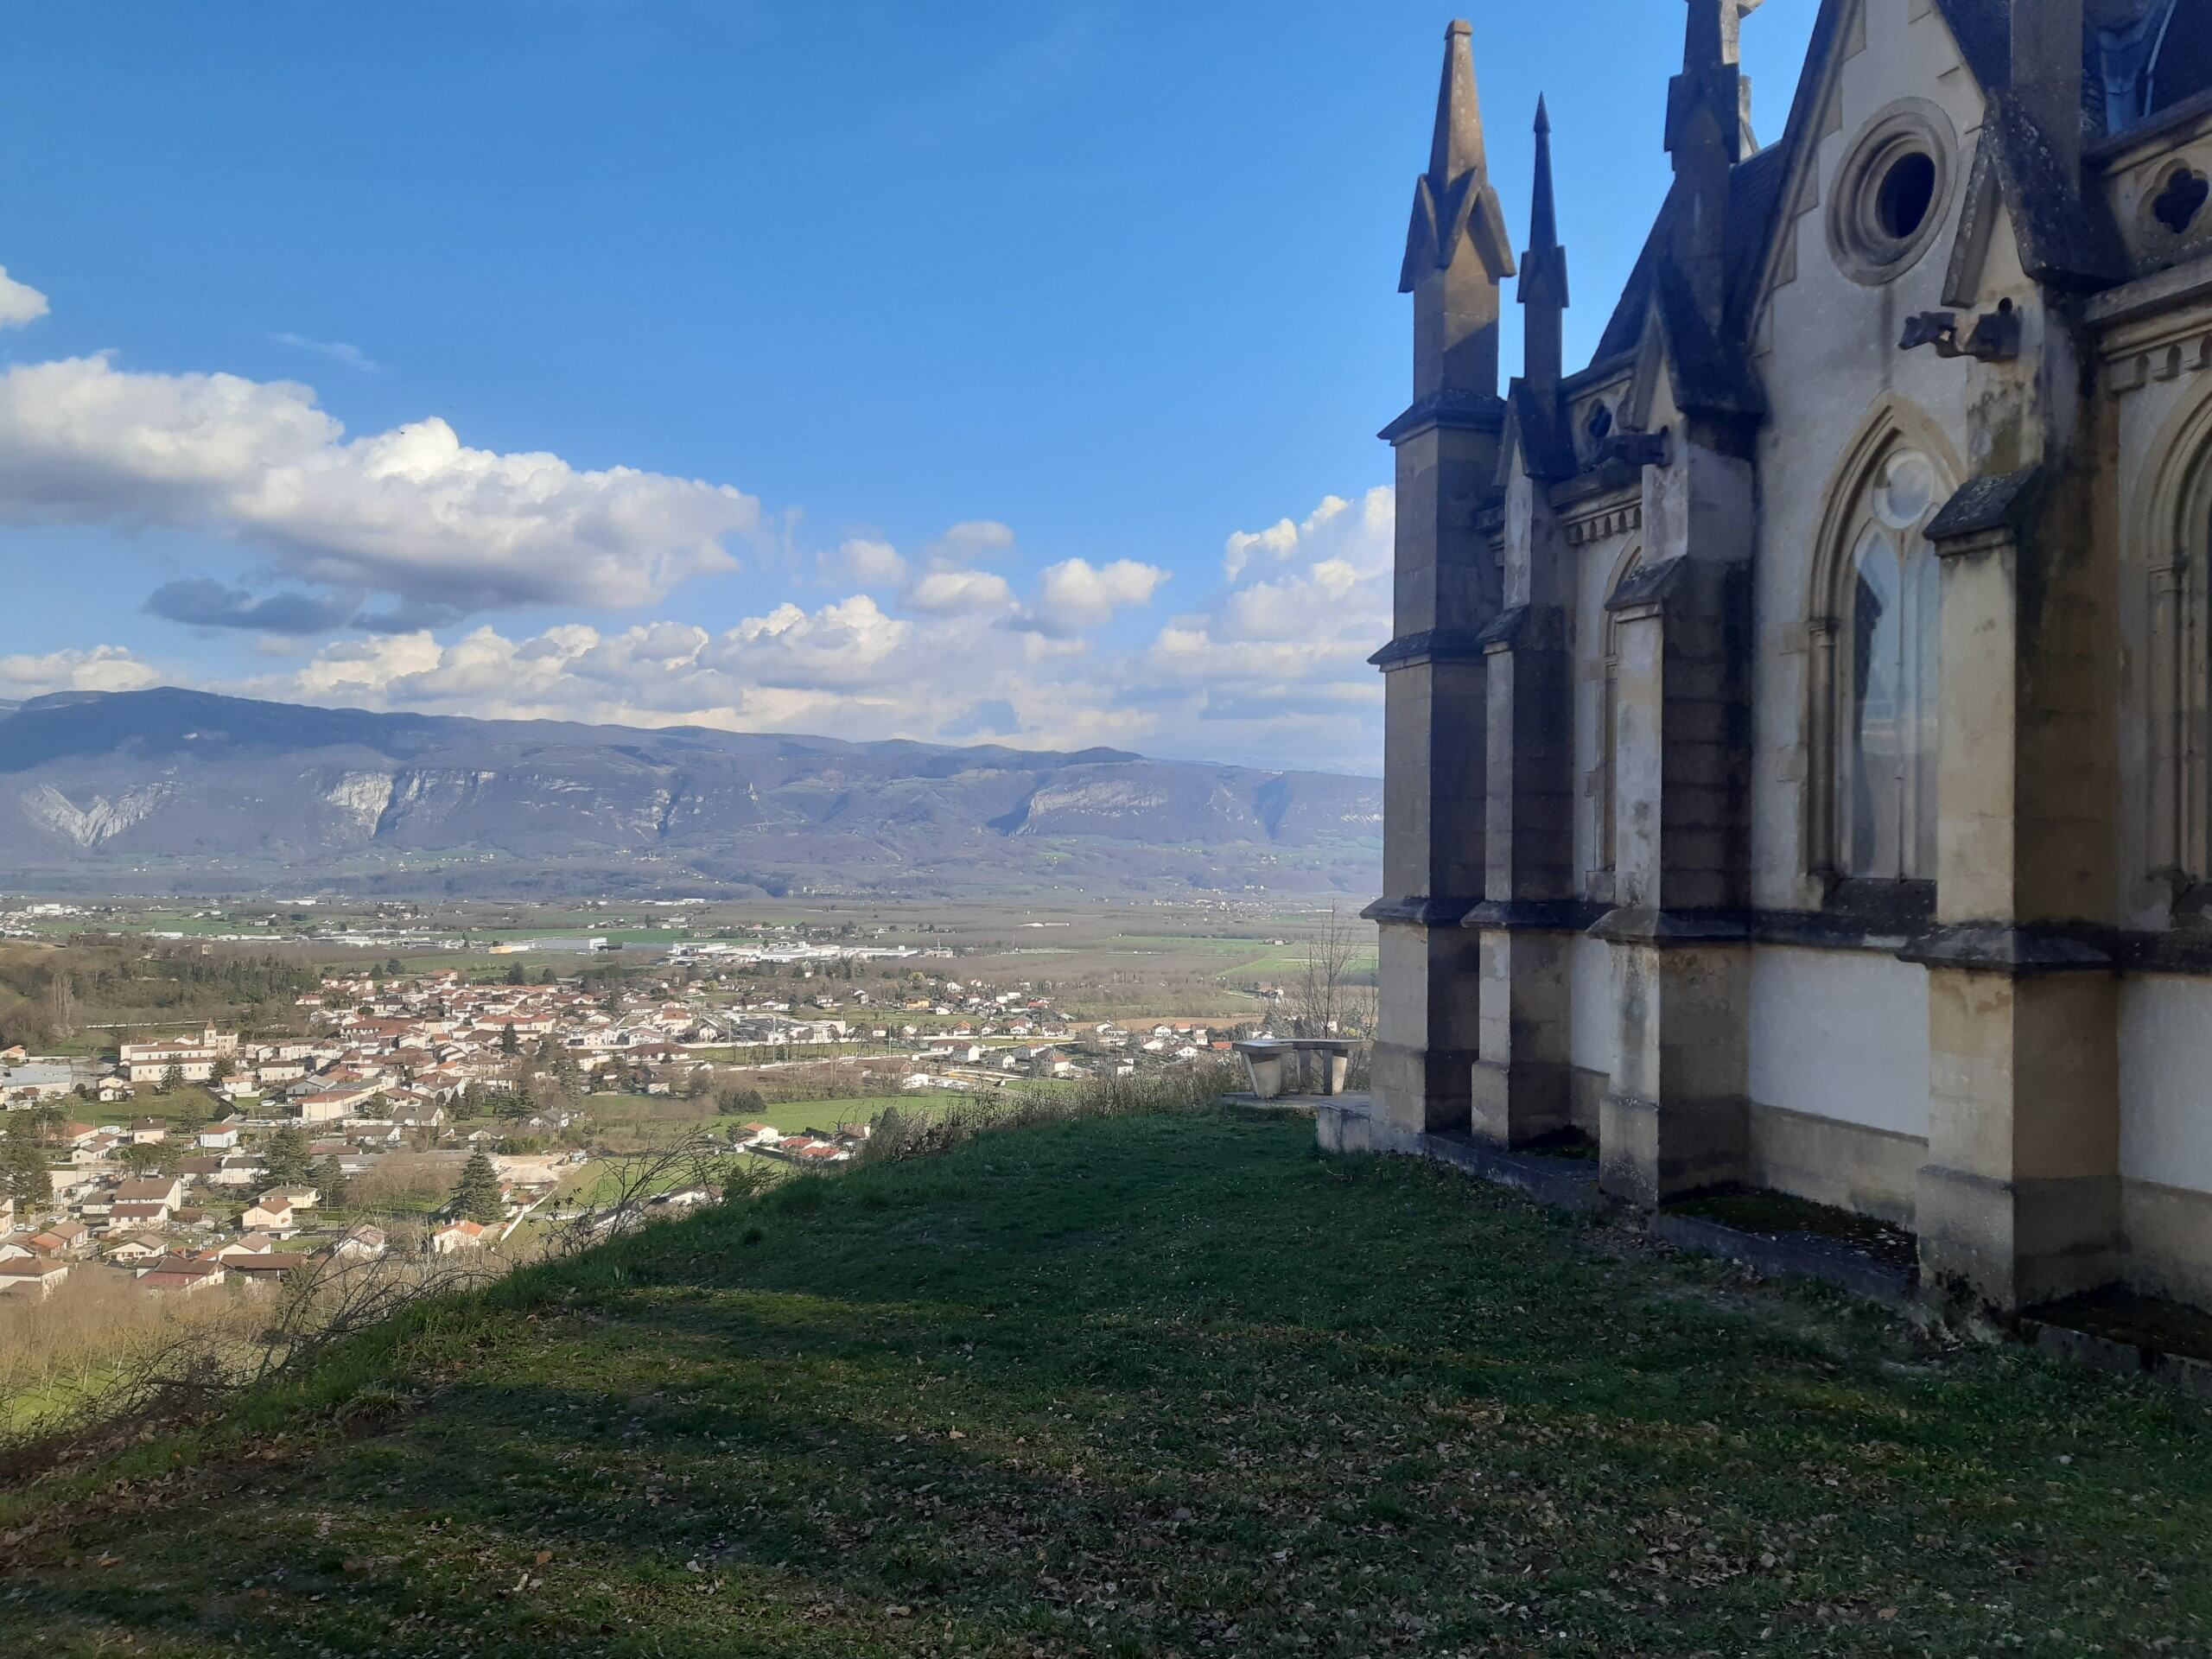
[[1706, 103], [1543, 272], [1457, 250], [1456, 147], [1708, 133]]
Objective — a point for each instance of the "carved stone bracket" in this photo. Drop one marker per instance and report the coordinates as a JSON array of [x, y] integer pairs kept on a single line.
[[1604, 524], [2134, 372], [1995, 337]]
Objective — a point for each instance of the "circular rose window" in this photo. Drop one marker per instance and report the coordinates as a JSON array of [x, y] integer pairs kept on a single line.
[[1904, 489], [1890, 197]]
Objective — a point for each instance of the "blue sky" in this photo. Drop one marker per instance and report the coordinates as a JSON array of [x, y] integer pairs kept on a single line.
[[946, 349]]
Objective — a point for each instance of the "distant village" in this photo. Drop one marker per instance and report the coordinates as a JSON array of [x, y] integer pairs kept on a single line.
[[233, 1181]]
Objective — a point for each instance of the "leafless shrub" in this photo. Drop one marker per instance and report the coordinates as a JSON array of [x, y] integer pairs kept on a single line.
[[897, 1135], [103, 1352], [626, 1184], [1328, 999], [320, 1304], [404, 1180]]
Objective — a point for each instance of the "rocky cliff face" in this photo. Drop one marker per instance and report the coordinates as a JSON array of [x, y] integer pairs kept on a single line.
[[150, 790]]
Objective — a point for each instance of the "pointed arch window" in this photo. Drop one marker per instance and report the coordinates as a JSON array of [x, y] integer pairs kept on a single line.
[[2179, 692], [1605, 841], [1878, 685], [1888, 757]]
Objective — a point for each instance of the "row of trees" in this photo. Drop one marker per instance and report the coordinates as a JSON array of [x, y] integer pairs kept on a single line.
[[47, 993]]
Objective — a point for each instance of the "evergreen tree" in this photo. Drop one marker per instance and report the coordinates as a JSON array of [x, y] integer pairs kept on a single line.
[[23, 1176], [172, 1079], [509, 1043], [194, 1115], [140, 1157], [286, 1156], [740, 1102], [331, 1182], [477, 1197]]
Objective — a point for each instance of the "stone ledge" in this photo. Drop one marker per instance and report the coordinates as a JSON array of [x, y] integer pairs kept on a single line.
[[1350, 1125], [1791, 1256], [2125, 1334], [1253, 1107], [2117, 1358]]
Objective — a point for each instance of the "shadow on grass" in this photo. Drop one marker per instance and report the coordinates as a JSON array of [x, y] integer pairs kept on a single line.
[[1164, 1386]]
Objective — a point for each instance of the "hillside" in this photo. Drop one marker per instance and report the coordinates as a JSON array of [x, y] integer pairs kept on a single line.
[[1146, 1386], [180, 791]]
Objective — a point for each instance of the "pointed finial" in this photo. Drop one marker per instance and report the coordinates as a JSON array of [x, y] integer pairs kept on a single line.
[[1544, 216], [1457, 146], [1716, 33], [1543, 269]]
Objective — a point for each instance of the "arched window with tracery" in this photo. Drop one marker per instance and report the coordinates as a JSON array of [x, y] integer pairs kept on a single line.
[[2179, 681], [1878, 678], [1606, 842]]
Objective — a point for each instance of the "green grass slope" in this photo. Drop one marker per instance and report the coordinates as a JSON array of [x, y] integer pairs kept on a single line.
[[1144, 1386]]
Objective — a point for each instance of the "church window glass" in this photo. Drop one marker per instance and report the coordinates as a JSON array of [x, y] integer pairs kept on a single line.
[[1891, 723]]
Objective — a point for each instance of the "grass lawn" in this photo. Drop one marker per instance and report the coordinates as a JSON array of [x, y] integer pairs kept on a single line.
[[1149, 1386], [156, 1103]]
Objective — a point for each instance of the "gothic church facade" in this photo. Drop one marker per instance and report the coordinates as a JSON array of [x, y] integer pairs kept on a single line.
[[1798, 767]]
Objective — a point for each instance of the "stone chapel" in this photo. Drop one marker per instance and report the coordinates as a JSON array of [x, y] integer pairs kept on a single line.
[[1797, 765]]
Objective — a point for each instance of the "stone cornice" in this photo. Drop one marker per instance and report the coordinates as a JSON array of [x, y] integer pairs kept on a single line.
[[1535, 916], [1604, 522], [2013, 952], [1464, 411], [1431, 646], [1662, 928], [1419, 913], [1891, 923]]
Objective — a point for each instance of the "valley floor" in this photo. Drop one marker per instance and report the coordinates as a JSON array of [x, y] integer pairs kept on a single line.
[[1145, 1386]]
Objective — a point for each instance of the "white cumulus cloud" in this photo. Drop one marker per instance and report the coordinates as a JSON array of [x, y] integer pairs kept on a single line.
[[20, 304], [413, 512], [100, 668], [959, 593], [871, 563], [1076, 595]]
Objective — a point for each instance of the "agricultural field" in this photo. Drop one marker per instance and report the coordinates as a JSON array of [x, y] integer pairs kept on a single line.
[[1210, 961]]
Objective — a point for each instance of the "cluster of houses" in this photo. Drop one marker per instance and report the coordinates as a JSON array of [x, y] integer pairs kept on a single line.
[[211, 1212], [145, 1228], [380, 1064], [810, 1150]]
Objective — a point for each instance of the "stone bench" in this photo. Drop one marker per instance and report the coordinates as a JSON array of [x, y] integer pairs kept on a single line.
[[1296, 1065]]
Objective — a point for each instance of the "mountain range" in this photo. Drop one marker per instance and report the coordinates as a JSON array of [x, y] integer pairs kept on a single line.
[[169, 791]]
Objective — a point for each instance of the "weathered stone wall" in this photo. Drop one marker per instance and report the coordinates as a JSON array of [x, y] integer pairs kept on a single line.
[[1841, 1034], [1829, 363]]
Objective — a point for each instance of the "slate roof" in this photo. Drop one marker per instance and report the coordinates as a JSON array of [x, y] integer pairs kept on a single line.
[[1752, 188], [2063, 242], [2184, 67], [1993, 502]]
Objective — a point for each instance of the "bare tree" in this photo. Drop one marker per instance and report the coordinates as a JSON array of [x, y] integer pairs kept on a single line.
[[320, 1303], [1326, 1001], [631, 1181]]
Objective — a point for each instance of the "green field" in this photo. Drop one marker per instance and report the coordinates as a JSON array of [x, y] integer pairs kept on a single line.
[[1164, 1385], [156, 1103]]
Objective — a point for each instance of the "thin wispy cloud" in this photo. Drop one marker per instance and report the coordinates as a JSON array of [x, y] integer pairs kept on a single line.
[[338, 351]]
